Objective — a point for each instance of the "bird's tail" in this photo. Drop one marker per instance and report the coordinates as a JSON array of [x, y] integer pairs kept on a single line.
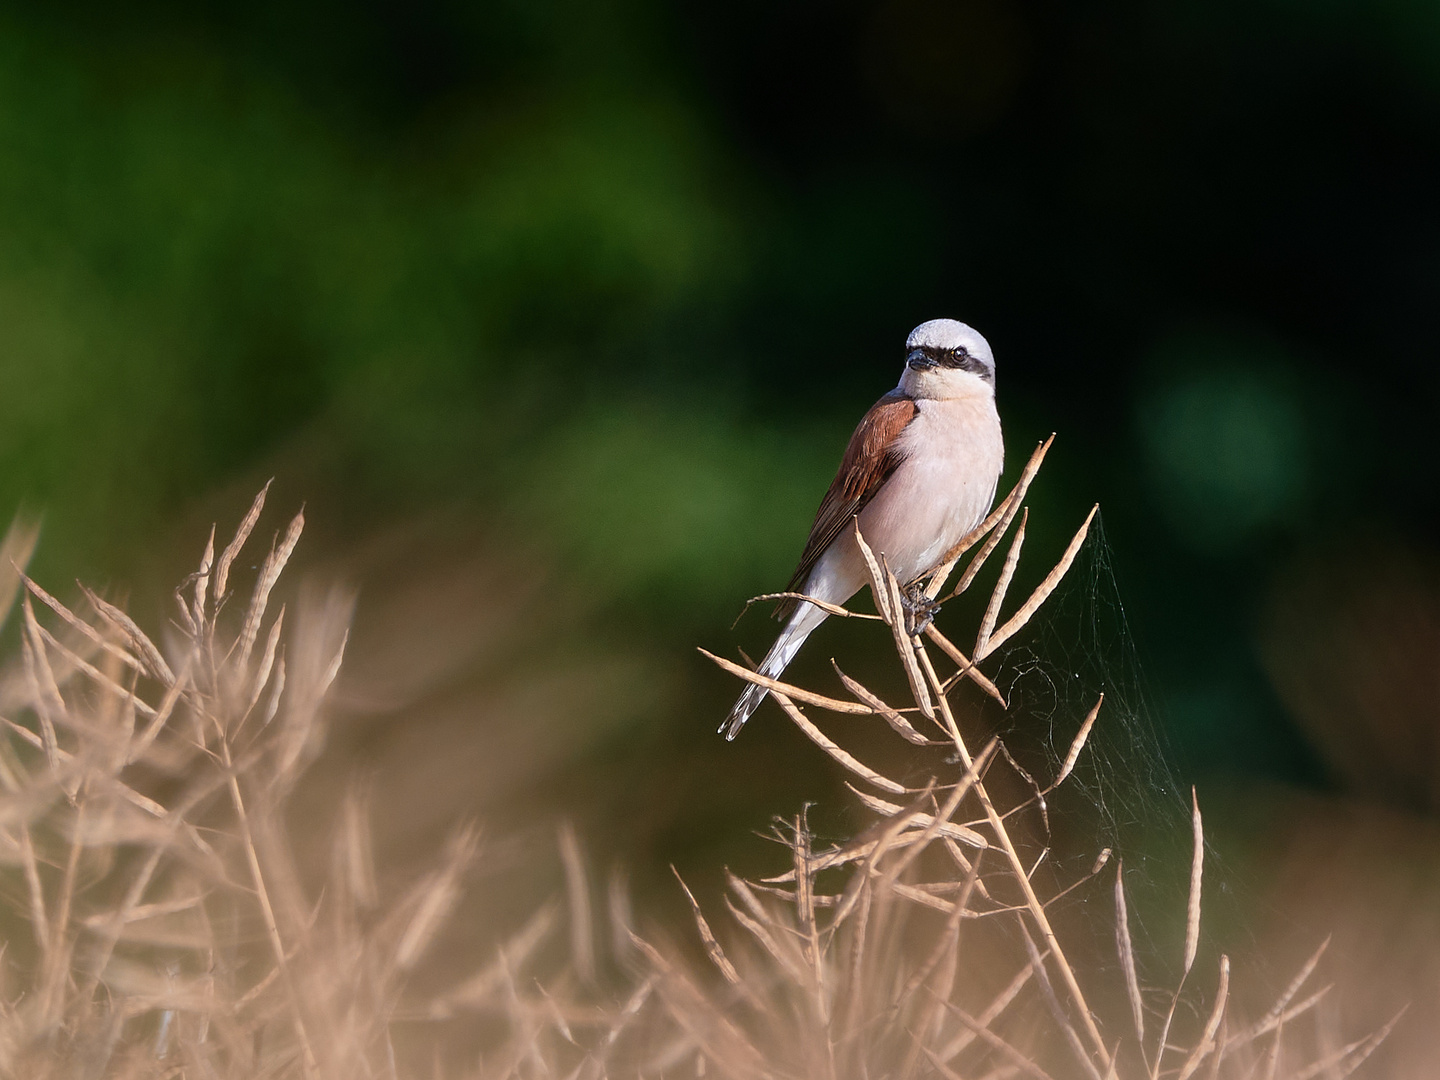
[[806, 619]]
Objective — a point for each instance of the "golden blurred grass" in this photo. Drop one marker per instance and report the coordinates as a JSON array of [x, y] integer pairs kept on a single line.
[[181, 919]]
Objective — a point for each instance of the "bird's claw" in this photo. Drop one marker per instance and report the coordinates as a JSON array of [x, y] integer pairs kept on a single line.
[[920, 610]]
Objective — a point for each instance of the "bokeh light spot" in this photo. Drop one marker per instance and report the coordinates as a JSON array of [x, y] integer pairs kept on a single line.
[[1225, 442]]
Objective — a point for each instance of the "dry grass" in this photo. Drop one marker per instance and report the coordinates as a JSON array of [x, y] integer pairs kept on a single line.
[[169, 932], [865, 975], [142, 799]]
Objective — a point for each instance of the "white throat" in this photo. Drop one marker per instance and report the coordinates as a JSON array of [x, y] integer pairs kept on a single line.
[[944, 384]]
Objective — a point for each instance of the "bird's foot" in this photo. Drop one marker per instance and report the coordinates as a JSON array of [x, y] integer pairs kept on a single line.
[[920, 610]]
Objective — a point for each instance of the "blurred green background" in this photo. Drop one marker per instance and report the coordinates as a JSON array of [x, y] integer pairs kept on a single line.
[[618, 278]]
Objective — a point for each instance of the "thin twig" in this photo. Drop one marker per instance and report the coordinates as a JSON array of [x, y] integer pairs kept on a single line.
[[1042, 592], [1207, 1038], [794, 693], [804, 598], [1032, 901], [707, 936], [820, 739], [968, 670], [262, 893], [896, 720]]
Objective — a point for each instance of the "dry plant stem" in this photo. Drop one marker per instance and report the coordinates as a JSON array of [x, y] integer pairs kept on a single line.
[[946, 957], [432, 899], [997, 597], [1192, 929], [858, 957], [39, 919], [1272, 1057], [265, 667], [58, 960], [945, 827], [878, 589], [1068, 765], [582, 945], [885, 881], [713, 1034], [15, 551], [794, 693], [515, 952], [881, 882], [1299, 1009], [1197, 869], [96, 675], [886, 591], [193, 614], [809, 931], [1032, 902], [1127, 954], [127, 626], [822, 985], [855, 851], [48, 702], [1101, 861], [110, 938], [1162, 1043], [81, 625], [158, 989], [150, 806], [1277, 1013], [232, 549], [1336, 1064], [830, 747], [897, 722], [1042, 592], [992, 1012], [982, 1029], [757, 922], [270, 572], [967, 667], [1057, 1010], [272, 927], [767, 941], [707, 936], [823, 605], [1207, 1040], [947, 948]]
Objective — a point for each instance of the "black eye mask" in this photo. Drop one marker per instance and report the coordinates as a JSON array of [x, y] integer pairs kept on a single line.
[[958, 357]]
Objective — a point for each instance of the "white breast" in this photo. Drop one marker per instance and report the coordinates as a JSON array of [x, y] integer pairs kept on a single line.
[[943, 489]]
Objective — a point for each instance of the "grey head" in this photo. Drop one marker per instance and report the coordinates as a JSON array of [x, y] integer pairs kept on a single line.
[[944, 344]]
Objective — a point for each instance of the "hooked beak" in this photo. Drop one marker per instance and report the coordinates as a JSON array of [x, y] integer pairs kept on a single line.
[[919, 361]]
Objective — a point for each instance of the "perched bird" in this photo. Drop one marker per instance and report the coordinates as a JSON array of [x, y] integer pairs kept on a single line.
[[920, 472]]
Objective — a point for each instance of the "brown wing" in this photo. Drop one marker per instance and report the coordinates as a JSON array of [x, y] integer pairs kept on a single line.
[[868, 462]]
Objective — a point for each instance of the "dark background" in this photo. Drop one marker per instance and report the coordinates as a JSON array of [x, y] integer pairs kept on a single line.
[[614, 280]]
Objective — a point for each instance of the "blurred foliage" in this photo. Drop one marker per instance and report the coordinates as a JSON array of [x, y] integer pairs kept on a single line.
[[625, 274], [1226, 436]]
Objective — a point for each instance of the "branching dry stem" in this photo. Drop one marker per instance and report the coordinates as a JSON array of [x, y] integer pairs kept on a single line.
[[891, 878], [143, 796]]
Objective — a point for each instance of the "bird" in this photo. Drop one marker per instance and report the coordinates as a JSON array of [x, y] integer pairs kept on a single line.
[[920, 471]]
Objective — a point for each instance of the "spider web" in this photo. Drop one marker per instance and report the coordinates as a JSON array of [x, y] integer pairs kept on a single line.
[[1124, 793]]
